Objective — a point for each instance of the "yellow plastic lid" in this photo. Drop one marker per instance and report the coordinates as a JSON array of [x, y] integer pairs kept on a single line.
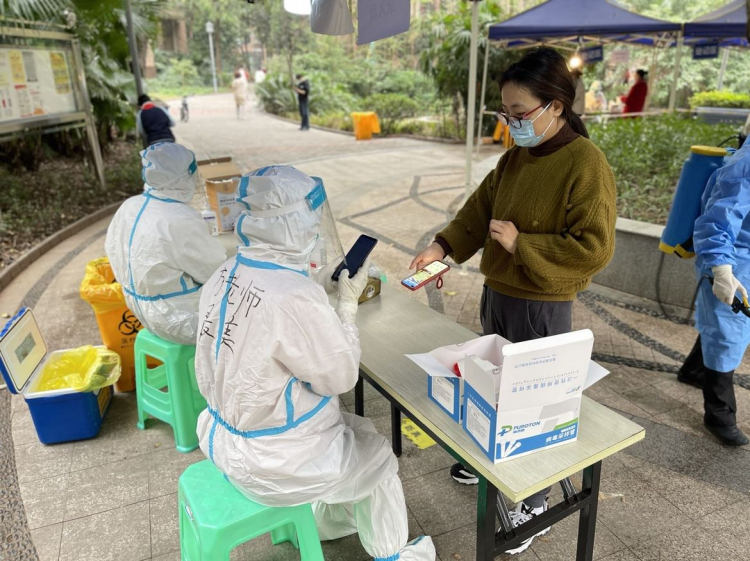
[[709, 151]]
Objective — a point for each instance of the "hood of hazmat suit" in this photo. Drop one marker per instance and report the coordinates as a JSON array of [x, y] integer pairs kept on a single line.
[[271, 360], [159, 247], [722, 237]]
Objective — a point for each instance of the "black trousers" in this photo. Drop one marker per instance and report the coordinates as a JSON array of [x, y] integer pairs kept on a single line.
[[518, 320], [304, 113], [719, 401]]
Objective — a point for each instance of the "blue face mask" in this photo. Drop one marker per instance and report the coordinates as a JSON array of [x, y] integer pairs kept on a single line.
[[525, 136]]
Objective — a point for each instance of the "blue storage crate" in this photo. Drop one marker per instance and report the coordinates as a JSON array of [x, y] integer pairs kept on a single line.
[[58, 415]]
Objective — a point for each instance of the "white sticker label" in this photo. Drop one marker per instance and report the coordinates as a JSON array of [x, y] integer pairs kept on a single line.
[[478, 425], [443, 392]]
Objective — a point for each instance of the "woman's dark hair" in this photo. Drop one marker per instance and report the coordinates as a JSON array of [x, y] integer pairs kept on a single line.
[[642, 73], [545, 75], [143, 99], [238, 74]]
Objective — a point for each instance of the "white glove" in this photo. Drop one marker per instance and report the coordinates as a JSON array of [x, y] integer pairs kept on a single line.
[[726, 285], [350, 289], [324, 274]]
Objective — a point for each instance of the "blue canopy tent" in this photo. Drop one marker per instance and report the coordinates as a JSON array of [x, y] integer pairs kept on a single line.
[[566, 22], [728, 25]]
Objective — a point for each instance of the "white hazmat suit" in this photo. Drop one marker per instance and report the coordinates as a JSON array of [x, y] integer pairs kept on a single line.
[[272, 358], [159, 247]]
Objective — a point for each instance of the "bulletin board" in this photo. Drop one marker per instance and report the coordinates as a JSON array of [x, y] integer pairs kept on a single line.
[[43, 85], [35, 82]]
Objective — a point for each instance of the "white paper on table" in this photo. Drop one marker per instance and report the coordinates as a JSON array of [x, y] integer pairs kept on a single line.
[[378, 19]]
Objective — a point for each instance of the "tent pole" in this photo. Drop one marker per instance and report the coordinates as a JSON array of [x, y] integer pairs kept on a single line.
[[484, 86], [471, 110], [723, 69], [676, 73]]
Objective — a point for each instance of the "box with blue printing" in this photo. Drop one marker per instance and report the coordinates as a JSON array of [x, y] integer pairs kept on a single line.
[[514, 399]]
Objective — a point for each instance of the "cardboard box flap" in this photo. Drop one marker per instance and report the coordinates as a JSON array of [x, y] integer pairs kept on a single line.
[[440, 361], [548, 342], [218, 169], [485, 381]]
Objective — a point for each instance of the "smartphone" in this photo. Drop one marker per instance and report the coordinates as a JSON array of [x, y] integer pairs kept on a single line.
[[356, 257], [425, 275]]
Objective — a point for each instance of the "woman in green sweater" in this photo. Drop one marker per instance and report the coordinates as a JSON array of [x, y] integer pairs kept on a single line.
[[545, 219]]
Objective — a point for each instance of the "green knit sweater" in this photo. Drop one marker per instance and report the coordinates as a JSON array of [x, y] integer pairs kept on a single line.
[[563, 206]]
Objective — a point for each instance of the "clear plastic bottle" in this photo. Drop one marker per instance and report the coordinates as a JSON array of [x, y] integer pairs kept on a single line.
[[318, 257], [209, 217]]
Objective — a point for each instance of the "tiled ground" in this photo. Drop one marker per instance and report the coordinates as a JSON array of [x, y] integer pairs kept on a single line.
[[675, 496]]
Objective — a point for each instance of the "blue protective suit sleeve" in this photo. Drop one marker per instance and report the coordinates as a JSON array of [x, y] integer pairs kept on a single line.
[[728, 203]]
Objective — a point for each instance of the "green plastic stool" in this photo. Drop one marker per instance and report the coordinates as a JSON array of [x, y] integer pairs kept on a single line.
[[215, 518], [168, 392]]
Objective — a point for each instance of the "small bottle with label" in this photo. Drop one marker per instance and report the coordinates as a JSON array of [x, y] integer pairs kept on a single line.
[[209, 217]]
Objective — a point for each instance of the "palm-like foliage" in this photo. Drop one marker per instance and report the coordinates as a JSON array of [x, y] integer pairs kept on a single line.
[[33, 10], [446, 48]]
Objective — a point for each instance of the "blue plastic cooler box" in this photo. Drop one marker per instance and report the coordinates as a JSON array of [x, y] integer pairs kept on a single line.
[[58, 415]]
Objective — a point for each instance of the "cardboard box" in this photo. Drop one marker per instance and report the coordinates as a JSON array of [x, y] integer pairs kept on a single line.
[[444, 387], [221, 178], [530, 399]]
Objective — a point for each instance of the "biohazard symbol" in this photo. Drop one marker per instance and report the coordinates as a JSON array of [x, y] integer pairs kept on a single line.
[[130, 325]]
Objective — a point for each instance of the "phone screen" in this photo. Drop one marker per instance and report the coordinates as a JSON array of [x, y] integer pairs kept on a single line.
[[425, 274], [356, 256]]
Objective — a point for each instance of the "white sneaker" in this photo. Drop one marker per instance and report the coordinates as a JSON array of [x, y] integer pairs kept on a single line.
[[524, 513]]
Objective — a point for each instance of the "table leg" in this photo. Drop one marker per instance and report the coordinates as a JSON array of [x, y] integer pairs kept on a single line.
[[506, 524], [587, 523], [359, 397], [486, 498], [396, 430]]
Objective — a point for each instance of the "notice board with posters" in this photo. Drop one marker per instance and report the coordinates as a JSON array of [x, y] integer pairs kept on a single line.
[[43, 84], [35, 82]]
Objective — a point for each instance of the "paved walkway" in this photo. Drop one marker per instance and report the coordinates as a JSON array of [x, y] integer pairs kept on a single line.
[[677, 495]]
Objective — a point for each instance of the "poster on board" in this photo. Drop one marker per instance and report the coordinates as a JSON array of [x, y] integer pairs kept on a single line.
[[34, 83]]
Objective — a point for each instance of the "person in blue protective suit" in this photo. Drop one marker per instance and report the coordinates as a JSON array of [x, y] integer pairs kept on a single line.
[[722, 246], [159, 247], [271, 360]]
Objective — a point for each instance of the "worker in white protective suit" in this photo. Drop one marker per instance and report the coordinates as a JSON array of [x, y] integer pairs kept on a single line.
[[271, 360], [159, 247]]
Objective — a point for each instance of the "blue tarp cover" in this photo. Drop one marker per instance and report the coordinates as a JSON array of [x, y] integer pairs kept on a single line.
[[729, 21], [561, 18]]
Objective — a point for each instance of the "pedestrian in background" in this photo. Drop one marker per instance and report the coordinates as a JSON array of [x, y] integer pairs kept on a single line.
[[153, 123], [239, 88], [303, 93], [636, 98]]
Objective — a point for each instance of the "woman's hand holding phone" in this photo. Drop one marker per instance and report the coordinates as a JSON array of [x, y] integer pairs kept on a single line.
[[433, 252], [504, 233]]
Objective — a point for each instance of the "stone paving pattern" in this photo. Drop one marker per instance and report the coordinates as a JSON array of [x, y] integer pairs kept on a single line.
[[677, 495]]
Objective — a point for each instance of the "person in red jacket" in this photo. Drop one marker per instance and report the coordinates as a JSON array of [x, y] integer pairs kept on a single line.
[[636, 98]]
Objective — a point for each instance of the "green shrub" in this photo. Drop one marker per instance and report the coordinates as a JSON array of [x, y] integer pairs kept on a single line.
[[337, 120], [276, 95], [721, 99], [647, 156], [177, 73], [391, 108]]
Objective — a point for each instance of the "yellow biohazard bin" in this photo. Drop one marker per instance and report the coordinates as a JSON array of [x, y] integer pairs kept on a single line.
[[365, 123], [118, 326]]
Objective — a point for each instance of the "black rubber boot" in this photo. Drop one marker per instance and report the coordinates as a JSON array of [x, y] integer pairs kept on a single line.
[[693, 371], [720, 407]]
